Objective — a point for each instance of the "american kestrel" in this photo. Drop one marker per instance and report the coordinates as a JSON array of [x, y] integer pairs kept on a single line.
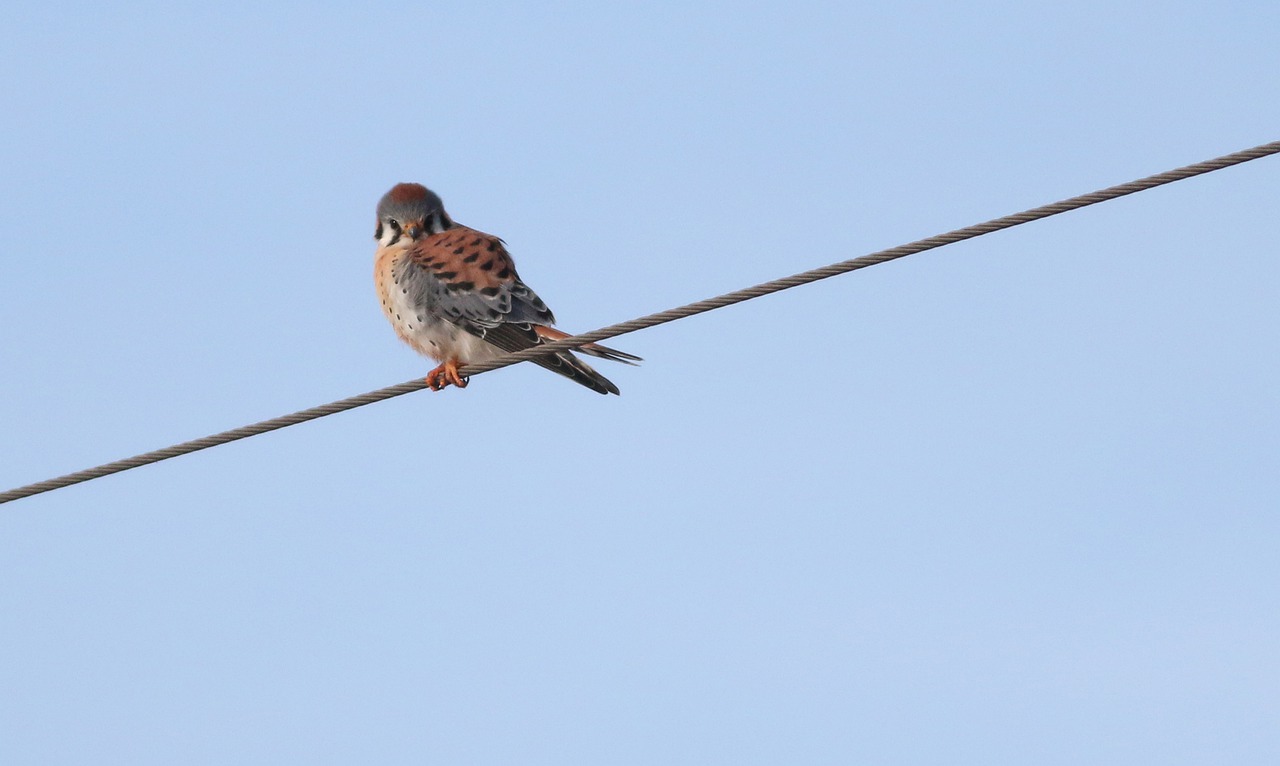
[[453, 294]]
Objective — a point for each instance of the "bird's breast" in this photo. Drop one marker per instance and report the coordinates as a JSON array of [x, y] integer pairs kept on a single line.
[[416, 323]]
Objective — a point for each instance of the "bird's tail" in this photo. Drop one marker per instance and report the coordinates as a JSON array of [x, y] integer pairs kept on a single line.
[[590, 349], [577, 370]]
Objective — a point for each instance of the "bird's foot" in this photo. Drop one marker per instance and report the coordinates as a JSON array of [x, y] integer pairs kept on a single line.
[[446, 375]]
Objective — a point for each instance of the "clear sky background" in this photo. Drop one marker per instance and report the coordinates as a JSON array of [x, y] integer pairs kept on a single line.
[[1012, 501]]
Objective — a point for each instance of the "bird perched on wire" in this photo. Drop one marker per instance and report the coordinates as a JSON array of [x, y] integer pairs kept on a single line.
[[453, 294]]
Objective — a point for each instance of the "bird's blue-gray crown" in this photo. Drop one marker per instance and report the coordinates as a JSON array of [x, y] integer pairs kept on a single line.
[[407, 205]]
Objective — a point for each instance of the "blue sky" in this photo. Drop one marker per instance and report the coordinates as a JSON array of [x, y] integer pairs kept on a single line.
[[1009, 501]]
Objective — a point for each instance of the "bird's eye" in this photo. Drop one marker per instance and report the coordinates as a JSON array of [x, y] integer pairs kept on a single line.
[[394, 223]]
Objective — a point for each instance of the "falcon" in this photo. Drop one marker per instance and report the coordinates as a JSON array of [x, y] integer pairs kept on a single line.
[[452, 293]]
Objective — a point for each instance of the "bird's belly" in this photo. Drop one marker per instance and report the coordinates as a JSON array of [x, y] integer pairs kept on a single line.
[[432, 336], [420, 327]]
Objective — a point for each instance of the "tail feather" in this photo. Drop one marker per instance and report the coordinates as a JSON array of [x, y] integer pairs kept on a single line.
[[578, 371], [590, 349]]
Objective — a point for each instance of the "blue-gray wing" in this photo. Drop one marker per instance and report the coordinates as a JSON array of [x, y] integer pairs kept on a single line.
[[468, 278]]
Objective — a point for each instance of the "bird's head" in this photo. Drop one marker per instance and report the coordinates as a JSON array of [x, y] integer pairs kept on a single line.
[[407, 212]]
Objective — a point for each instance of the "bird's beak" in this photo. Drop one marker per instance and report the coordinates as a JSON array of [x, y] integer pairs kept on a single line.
[[414, 230]]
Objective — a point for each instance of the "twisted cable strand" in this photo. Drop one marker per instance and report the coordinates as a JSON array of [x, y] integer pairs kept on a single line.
[[652, 320]]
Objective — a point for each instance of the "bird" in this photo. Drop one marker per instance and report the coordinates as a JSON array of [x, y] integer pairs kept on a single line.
[[452, 293]]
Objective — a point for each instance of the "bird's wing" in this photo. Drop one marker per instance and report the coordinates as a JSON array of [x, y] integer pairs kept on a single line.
[[468, 278]]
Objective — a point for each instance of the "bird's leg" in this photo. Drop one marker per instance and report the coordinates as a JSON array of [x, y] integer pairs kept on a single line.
[[445, 375]]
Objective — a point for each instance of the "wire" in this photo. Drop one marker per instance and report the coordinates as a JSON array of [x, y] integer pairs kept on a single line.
[[652, 320]]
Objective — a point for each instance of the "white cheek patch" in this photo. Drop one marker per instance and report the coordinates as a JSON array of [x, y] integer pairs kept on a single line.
[[388, 233]]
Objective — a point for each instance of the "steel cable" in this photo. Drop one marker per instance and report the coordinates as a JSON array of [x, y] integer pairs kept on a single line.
[[652, 320]]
